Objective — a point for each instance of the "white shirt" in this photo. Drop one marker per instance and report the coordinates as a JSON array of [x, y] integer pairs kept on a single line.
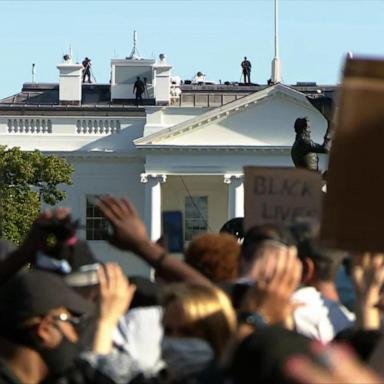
[[319, 318]]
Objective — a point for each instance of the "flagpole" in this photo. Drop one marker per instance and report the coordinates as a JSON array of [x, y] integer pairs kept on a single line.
[[276, 75], [276, 29]]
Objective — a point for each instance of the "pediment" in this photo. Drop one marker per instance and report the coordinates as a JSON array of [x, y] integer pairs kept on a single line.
[[265, 118]]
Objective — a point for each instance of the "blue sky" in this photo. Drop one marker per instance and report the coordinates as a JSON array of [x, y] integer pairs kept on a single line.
[[210, 36]]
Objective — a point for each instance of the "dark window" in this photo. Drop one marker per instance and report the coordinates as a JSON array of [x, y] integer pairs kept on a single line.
[[96, 225], [195, 216]]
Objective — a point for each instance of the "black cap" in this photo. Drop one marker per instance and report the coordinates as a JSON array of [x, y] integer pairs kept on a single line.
[[36, 293]]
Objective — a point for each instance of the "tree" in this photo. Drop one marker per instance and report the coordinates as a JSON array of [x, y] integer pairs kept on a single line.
[[26, 180]]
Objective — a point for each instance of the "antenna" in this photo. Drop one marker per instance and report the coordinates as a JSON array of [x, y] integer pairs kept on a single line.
[[33, 72], [276, 73], [70, 51], [135, 55]]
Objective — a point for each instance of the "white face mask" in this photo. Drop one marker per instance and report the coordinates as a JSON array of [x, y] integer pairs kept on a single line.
[[185, 356]]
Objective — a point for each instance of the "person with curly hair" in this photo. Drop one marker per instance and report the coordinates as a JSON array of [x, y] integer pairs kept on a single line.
[[215, 255]]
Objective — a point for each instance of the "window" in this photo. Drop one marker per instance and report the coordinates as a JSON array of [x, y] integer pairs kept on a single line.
[[96, 225], [195, 217]]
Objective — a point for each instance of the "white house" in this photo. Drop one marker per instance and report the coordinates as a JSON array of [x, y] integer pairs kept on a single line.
[[183, 151]]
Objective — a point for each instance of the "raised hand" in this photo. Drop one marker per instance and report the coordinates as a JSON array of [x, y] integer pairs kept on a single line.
[[333, 364], [116, 295], [367, 275], [278, 274], [129, 231]]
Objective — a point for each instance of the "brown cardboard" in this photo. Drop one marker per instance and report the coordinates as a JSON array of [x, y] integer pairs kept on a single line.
[[353, 216], [276, 195]]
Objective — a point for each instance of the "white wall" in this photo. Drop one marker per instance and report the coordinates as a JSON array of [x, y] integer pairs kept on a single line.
[[119, 177]]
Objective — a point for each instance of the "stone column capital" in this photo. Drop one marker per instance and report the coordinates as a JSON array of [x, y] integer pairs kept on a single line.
[[230, 177], [146, 177]]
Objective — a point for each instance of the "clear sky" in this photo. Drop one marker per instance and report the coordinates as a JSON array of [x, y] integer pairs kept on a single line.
[[211, 36]]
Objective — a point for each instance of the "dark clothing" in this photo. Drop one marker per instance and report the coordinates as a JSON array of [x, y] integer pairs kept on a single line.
[[304, 151], [236, 291], [81, 373], [6, 375], [138, 89], [246, 65], [86, 70]]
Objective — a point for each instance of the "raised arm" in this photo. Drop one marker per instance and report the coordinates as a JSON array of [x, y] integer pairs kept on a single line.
[[129, 234], [35, 240]]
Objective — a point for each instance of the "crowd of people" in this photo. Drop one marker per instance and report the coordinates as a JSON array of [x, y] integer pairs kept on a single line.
[[259, 307]]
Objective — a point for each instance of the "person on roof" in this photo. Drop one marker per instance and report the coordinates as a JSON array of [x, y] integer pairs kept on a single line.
[[87, 69], [246, 66], [138, 90]]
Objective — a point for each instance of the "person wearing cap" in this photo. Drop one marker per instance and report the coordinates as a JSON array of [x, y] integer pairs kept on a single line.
[[38, 319], [44, 323]]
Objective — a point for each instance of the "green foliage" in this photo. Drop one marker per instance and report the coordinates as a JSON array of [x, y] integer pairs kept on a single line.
[[26, 180]]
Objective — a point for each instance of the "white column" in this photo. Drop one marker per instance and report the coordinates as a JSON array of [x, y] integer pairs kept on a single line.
[[235, 195], [152, 208]]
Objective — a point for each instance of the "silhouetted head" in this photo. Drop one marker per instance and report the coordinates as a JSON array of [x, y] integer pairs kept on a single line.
[[302, 125]]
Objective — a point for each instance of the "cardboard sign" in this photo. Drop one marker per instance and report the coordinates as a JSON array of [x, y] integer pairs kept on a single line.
[[280, 195], [353, 217]]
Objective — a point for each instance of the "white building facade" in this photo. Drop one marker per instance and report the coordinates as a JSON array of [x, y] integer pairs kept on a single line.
[[181, 155]]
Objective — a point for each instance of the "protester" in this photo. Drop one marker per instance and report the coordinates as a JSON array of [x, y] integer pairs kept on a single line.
[[73, 320], [44, 324], [253, 246], [268, 301], [216, 256], [199, 323], [321, 316]]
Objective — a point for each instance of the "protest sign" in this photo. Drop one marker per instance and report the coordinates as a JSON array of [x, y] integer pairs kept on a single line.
[[354, 206], [275, 195]]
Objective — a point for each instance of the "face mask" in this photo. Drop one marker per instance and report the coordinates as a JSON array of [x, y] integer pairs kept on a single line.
[[60, 359], [185, 356]]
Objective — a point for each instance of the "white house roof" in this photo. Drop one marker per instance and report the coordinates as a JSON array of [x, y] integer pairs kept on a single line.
[[157, 139]]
